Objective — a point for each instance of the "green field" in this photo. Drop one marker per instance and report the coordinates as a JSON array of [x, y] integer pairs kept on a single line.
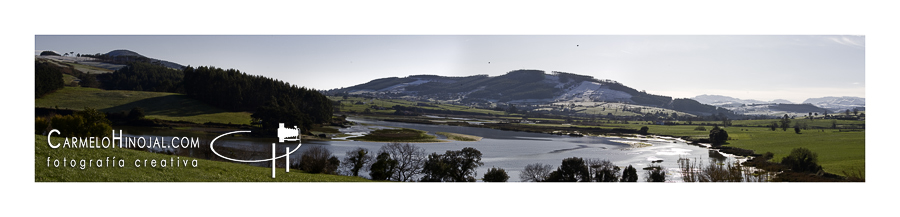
[[163, 106], [838, 151], [206, 171], [349, 105]]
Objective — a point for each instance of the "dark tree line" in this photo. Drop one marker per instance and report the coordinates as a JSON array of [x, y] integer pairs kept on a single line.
[[142, 76], [452, 166], [47, 78], [272, 101]]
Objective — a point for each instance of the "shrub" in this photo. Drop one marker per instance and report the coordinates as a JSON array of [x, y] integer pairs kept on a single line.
[[718, 136], [318, 160], [136, 113], [644, 130], [656, 174], [86, 123], [496, 175], [700, 128], [40, 125], [802, 160]]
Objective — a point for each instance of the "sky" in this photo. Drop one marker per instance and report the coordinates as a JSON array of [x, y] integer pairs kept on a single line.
[[762, 67]]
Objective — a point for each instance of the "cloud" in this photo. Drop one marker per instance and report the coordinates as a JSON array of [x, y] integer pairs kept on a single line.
[[853, 41]]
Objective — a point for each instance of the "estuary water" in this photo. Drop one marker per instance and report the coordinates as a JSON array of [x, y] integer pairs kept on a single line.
[[509, 150]]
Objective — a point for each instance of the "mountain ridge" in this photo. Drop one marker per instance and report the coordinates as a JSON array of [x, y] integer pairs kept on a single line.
[[523, 86]]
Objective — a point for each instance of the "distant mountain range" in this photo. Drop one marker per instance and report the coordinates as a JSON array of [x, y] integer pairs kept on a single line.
[[838, 103], [830, 104]]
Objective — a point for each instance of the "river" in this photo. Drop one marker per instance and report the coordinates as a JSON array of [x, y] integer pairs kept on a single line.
[[509, 150]]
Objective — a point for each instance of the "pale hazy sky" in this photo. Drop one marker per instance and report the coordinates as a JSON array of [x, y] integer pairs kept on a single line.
[[747, 67]]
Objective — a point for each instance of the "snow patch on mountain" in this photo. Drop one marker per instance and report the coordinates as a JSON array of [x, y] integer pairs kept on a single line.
[[837, 103], [588, 91]]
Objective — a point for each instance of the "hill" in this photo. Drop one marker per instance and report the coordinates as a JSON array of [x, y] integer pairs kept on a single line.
[[127, 54], [525, 86], [838, 104], [164, 106]]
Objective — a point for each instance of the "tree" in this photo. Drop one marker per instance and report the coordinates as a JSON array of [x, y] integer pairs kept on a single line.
[[847, 112], [47, 78], [383, 168], [802, 160], [572, 169], [410, 159], [629, 174], [785, 122], [452, 166], [856, 111], [774, 125], [536, 172], [356, 159], [604, 170], [718, 136], [644, 130], [797, 129], [495, 175]]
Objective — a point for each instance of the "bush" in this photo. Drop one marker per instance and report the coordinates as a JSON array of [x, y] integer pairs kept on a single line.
[[700, 128], [802, 160], [718, 136], [40, 125], [136, 113], [656, 175], [319, 160], [644, 130], [85, 123], [496, 175]]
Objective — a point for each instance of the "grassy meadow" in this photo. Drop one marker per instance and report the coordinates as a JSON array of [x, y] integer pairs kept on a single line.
[[163, 106], [206, 171], [838, 150], [349, 105]]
